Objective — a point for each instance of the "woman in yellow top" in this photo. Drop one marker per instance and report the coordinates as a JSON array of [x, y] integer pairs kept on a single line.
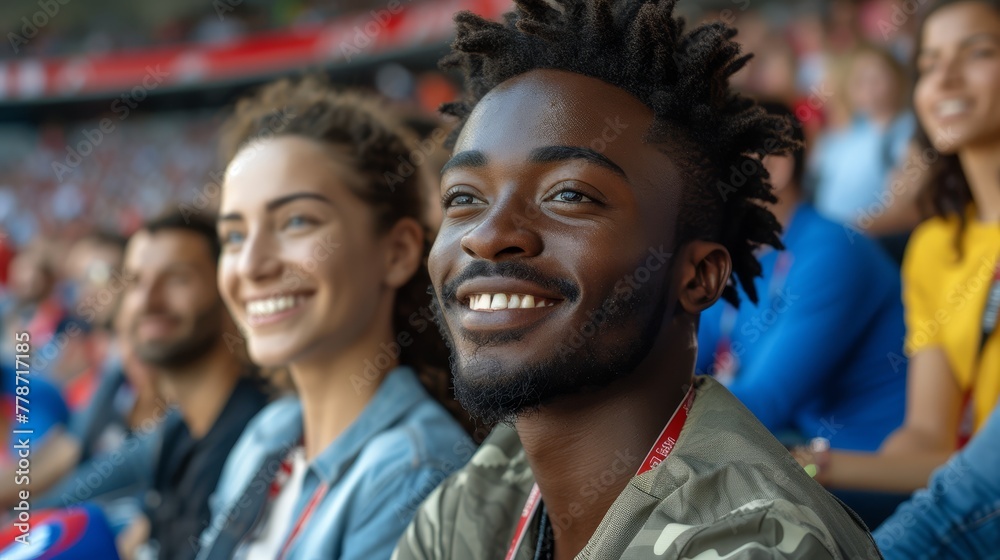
[[951, 261]]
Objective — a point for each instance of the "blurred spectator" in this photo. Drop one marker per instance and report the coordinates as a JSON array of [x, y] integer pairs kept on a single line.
[[93, 286], [32, 304], [951, 277], [802, 360], [124, 406], [901, 211], [851, 166], [177, 323]]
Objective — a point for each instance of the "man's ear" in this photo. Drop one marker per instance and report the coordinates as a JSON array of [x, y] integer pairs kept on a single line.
[[704, 269], [404, 251]]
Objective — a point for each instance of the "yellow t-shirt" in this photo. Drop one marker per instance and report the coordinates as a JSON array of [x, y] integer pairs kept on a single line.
[[945, 297]]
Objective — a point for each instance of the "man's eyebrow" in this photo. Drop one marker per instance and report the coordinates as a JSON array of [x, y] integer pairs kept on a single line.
[[550, 154], [470, 158]]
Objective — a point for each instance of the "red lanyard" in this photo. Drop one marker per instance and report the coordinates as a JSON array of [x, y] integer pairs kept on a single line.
[[304, 518], [659, 453]]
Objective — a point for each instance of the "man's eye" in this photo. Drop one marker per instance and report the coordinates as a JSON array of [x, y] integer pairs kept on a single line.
[[460, 199], [571, 197]]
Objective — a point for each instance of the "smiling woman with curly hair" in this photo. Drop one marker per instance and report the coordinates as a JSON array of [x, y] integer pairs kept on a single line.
[[323, 266]]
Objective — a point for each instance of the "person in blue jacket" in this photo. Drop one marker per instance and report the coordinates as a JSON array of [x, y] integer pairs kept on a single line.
[[958, 514], [820, 355], [323, 267]]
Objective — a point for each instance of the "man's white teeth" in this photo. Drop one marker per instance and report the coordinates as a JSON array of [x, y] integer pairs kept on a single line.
[[273, 305], [951, 107], [496, 302], [499, 302]]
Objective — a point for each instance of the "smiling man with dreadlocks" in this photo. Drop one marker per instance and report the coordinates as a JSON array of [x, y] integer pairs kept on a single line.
[[588, 222]]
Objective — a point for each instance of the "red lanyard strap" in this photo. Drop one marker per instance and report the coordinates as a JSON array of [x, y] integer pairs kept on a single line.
[[661, 450], [317, 497]]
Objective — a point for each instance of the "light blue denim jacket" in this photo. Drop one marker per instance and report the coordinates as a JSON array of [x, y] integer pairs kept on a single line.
[[958, 515], [379, 471]]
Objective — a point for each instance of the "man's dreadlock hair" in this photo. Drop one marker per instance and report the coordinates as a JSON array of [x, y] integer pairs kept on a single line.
[[641, 47]]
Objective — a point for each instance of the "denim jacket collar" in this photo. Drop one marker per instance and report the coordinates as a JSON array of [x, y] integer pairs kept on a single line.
[[399, 392]]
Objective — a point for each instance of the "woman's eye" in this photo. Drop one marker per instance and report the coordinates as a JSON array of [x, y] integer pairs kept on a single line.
[[571, 197], [298, 221], [231, 238]]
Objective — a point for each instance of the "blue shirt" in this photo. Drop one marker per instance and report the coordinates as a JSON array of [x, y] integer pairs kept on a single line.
[[822, 351], [378, 471], [852, 166]]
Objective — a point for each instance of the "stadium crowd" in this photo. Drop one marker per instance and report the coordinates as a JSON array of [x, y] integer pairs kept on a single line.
[[69, 30]]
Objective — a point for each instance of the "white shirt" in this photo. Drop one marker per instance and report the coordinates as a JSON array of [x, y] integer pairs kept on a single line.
[[273, 531]]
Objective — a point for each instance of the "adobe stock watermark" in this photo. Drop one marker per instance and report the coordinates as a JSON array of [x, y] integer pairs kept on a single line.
[[958, 297], [613, 129], [365, 35], [30, 26], [202, 199], [388, 353], [905, 518], [463, 451], [94, 137], [223, 7], [88, 310], [728, 16], [753, 166], [417, 157], [624, 290], [622, 468], [906, 178], [292, 280], [260, 483], [104, 466], [753, 330], [901, 14]]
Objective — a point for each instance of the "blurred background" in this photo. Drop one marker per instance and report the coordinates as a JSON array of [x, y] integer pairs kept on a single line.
[[110, 109], [161, 71]]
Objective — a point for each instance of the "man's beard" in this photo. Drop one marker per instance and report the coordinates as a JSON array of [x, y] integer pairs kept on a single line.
[[203, 336], [496, 392]]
